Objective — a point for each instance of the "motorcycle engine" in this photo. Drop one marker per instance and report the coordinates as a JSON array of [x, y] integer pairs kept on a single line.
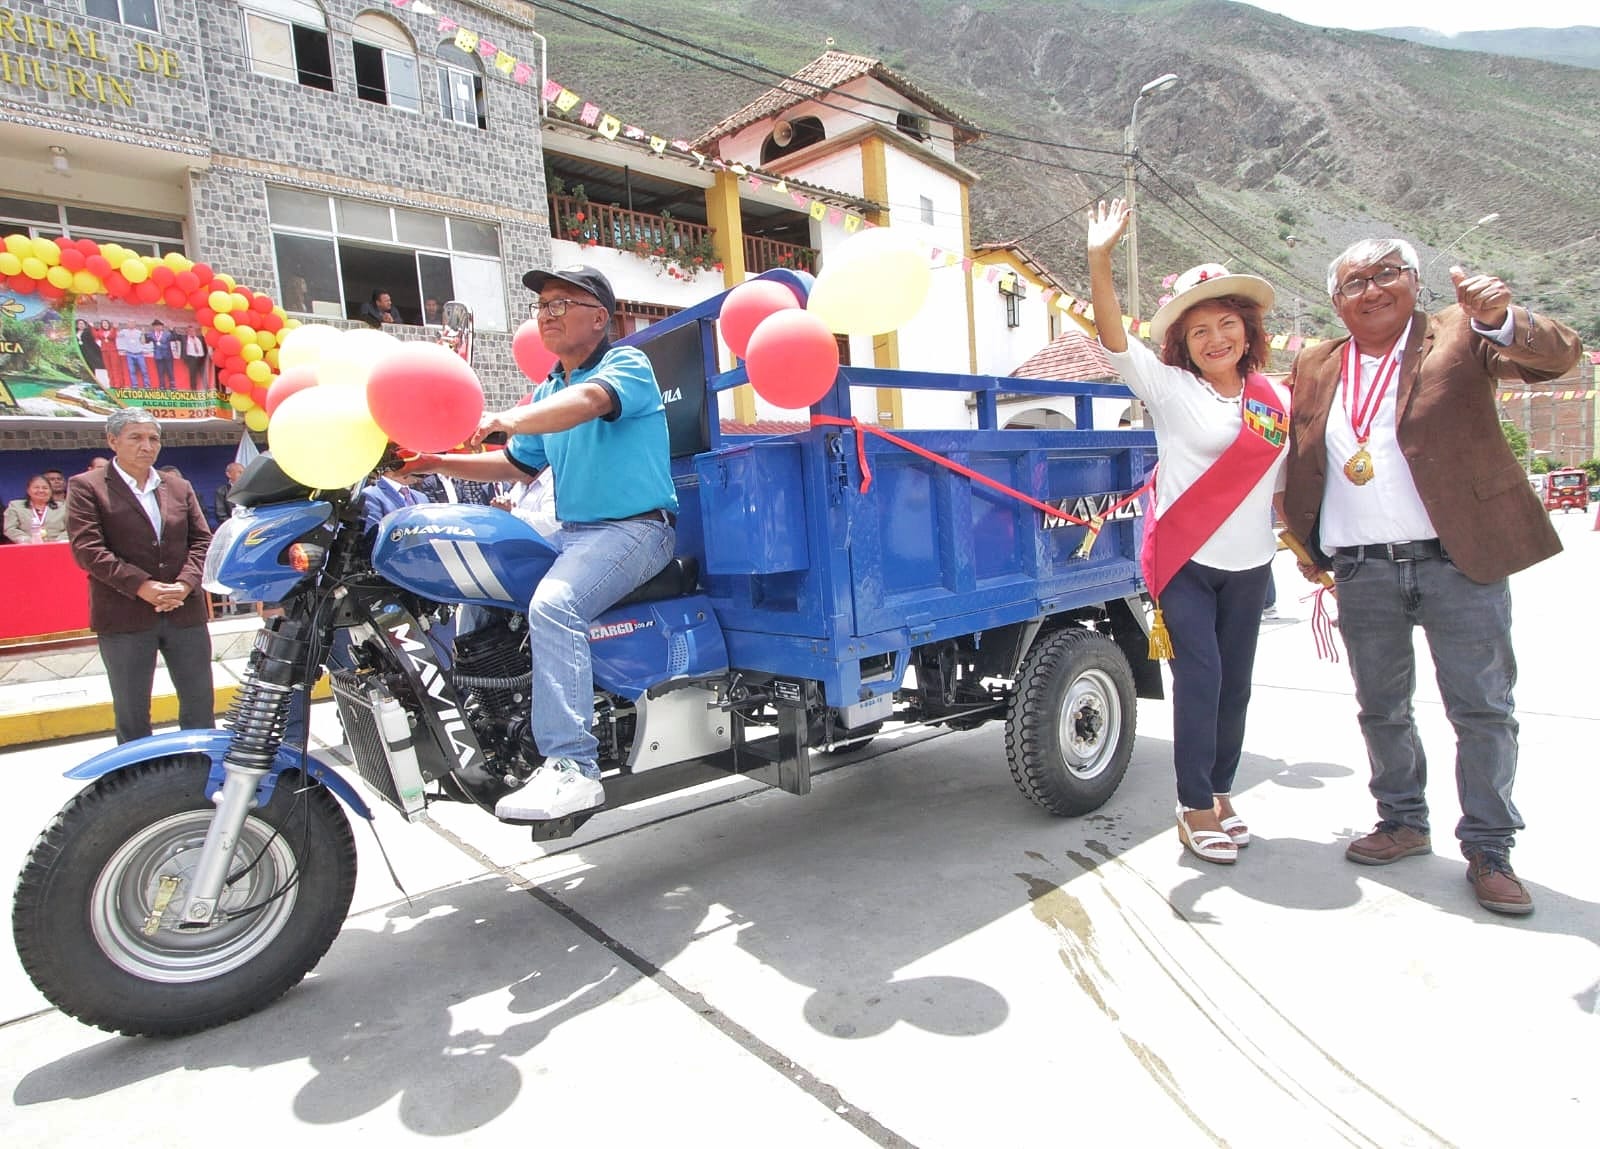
[[492, 674]]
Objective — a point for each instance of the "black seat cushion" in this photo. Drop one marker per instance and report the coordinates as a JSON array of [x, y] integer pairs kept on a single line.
[[679, 577]]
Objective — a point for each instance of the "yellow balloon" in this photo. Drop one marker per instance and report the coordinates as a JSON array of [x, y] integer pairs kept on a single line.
[[258, 372], [288, 324], [325, 437], [115, 255], [267, 340], [134, 270], [46, 251], [250, 352], [10, 262], [226, 280], [223, 322], [872, 283], [305, 345], [33, 267], [84, 283], [244, 332], [240, 402], [177, 261], [348, 361], [221, 302], [59, 276], [18, 245], [272, 358], [256, 419]]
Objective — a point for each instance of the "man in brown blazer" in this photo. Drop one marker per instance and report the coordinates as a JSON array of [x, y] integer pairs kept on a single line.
[[142, 537], [1401, 480]]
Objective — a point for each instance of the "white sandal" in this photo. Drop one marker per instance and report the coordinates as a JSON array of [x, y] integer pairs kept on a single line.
[[1207, 845], [1233, 825]]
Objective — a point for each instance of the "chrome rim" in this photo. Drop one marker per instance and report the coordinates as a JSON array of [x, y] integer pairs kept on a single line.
[[127, 890], [1090, 724]]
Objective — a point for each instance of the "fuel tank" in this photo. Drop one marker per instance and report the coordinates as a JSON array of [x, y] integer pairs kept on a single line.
[[457, 552]]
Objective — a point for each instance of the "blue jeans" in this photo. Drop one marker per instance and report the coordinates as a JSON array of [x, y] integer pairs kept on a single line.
[[138, 367], [1468, 626], [599, 563], [1214, 618]]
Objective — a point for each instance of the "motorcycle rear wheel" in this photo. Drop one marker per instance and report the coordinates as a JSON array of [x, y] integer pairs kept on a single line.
[[82, 918]]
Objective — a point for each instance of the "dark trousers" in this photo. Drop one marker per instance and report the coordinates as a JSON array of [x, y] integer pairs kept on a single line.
[[1214, 618], [165, 373], [130, 662]]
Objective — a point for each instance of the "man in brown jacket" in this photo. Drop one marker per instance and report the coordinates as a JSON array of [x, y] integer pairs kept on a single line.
[[142, 537], [1399, 474]]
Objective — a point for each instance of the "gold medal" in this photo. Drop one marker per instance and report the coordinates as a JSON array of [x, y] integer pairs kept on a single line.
[[1358, 468]]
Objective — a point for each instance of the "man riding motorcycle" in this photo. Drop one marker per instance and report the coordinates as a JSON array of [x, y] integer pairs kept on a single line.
[[599, 423]]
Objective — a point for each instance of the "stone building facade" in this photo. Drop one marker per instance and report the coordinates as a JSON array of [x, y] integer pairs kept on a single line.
[[316, 151]]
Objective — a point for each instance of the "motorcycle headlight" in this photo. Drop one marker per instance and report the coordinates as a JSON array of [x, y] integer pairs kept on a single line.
[[222, 544]]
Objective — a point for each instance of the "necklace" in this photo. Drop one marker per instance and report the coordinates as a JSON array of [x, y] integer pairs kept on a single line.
[[1360, 409]]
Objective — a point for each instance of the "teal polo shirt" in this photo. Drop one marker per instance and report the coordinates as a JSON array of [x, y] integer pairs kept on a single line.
[[613, 467]]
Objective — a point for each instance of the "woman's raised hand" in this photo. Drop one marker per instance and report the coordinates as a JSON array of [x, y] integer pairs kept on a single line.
[[1107, 225]]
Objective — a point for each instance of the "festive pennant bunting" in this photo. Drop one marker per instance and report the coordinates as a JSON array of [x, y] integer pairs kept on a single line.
[[634, 132], [738, 169], [781, 187], [1278, 342], [521, 73], [566, 101], [852, 223], [504, 62], [1144, 329], [551, 90], [487, 48], [590, 115], [658, 144], [446, 24], [680, 146], [818, 209], [467, 40], [610, 126]]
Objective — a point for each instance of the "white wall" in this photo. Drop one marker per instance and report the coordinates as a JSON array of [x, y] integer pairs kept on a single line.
[[841, 114], [631, 278]]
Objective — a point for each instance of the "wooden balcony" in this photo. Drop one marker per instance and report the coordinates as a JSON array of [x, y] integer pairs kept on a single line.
[[648, 236], [765, 254]]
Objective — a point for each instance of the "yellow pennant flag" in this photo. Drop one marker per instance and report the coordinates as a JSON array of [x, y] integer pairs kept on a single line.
[[658, 144], [852, 223], [609, 126], [504, 62], [567, 100], [1278, 342], [466, 40], [819, 210], [1144, 329]]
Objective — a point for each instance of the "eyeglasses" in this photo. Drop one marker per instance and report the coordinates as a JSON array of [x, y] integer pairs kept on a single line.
[[556, 308], [1384, 277]]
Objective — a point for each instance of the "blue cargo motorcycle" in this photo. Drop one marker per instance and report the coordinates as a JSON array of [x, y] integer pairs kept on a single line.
[[204, 873]]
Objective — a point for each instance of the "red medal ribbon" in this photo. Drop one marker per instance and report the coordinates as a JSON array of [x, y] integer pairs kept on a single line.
[[1366, 408]]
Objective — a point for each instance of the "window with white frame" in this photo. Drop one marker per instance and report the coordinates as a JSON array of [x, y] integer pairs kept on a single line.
[[461, 95], [332, 253], [288, 40], [148, 235], [134, 13], [386, 63]]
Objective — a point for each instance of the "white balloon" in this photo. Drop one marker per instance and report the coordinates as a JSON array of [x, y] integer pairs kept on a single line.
[[872, 283], [305, 345], [348, 361]]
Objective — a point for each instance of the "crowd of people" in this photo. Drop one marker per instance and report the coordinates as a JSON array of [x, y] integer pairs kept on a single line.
[[153, 357]]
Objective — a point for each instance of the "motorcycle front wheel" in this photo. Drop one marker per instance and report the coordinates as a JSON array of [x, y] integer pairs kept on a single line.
[[96, 912]]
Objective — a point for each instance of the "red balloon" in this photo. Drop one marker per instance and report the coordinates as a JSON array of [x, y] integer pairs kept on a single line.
[[532, 356], [426, 398], [235, 364], [186, 281], [172, 297], [203, 272], [746, 306], [792, 359], [237, 382], [292, 380], [258, 393], [97, 263], [50, 293], [228, 345], [146, 292], [88, 247], [270, 322], [261, 304], [22, 285], [115, 284], [203, 316], [162, 276], [71, 258]]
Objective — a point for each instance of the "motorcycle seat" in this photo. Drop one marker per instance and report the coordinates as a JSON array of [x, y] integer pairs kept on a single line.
[[679, 577]]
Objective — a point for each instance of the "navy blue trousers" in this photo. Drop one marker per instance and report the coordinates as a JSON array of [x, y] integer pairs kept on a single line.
[[1214, 618]]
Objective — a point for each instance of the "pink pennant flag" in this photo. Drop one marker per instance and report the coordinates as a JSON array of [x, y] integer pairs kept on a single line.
[[633, 132], [1294, 342], [800, 200], [590, 115], [487, 48], [994, 274], [835, 216], [938, 253], [681, 145], [1049, 294], [551, 90], [966, 265], [522, 74], [755, 181], [446, 24]]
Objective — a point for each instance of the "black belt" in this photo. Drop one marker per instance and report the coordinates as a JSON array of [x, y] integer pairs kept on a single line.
[[659, 515], [1396, 552]]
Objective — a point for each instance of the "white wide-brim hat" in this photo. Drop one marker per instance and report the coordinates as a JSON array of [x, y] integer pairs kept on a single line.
[[1208, 281]]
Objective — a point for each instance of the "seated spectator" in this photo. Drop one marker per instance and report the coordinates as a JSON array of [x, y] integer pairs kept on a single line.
[[58, 484], [38, 517]]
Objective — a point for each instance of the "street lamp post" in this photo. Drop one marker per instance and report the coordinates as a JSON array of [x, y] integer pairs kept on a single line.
[[1130, 154], [1449, 247]]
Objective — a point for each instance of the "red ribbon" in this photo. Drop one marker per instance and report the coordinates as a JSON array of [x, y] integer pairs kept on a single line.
[[864, 429]]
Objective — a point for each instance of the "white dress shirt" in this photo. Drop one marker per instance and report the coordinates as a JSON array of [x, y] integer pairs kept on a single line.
[[146, 497], [1387, 508]]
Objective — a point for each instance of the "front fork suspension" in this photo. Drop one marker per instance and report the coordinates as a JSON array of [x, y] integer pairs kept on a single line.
[[257, 719]]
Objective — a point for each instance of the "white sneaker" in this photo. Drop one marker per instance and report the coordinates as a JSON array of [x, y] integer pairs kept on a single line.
[[556, 789]]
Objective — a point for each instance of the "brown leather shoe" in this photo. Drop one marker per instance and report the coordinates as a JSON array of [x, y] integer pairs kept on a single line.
[[1388, 842], [1496, 884]]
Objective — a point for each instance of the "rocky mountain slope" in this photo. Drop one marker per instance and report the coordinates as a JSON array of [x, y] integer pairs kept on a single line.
[[1282, 144]]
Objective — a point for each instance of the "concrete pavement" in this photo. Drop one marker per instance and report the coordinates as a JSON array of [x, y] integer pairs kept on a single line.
[[916, 955]]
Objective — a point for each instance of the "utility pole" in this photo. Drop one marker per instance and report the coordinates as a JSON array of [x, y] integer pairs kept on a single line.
[[1130, 187]]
